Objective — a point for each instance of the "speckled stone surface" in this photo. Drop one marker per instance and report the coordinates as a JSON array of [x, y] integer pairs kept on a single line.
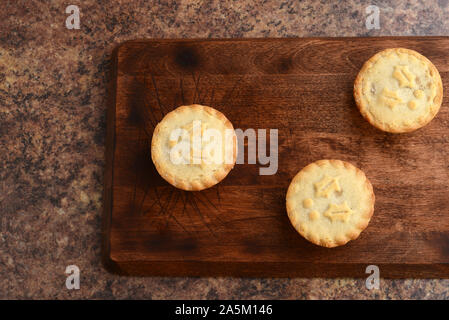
[[52, 135]]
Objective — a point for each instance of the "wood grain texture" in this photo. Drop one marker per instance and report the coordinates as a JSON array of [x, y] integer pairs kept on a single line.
[[303, 88]]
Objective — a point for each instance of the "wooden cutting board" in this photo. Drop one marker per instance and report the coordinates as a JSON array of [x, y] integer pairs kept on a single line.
[[303, 88]]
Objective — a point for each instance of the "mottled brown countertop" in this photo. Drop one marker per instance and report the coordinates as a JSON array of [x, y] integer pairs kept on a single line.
[[52, 135]]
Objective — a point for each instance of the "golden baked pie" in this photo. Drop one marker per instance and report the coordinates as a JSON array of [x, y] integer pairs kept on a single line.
[[194, 147], [398, 90], [330, 202]]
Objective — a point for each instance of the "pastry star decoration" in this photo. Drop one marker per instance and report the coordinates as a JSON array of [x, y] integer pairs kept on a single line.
[[404, 76], [338, 211], [326, 186]]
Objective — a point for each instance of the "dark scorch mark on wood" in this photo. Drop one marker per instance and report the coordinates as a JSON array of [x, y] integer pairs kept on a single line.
[[187, 58]]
